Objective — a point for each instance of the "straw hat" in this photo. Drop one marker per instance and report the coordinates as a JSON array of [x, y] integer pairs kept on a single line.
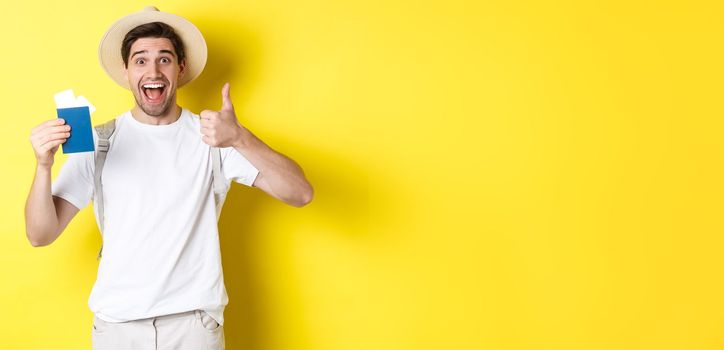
[[109, 51]]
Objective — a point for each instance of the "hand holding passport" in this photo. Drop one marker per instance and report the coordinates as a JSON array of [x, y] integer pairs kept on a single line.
[[76, 112]]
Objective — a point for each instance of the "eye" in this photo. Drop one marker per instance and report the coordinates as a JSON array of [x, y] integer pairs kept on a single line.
[[165, 60], [140, 61]]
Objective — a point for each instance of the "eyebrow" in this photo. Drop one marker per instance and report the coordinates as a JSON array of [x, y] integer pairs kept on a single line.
[[162, 51]]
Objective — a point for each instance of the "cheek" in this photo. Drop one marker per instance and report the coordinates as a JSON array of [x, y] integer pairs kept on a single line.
[[133, 77], [172, 72]]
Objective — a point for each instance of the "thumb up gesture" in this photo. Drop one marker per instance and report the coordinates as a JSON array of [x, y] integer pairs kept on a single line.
[[220, 128]]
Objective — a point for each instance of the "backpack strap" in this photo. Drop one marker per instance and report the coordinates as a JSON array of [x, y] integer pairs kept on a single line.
[[104, 134], [218, 183]]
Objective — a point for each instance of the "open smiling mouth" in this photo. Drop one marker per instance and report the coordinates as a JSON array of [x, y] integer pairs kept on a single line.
[[154, 92]]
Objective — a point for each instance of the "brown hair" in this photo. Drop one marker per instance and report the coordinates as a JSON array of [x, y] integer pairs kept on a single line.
[[152, 30]]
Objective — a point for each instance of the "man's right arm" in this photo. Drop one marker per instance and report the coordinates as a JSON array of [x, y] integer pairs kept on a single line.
[[46, 216]]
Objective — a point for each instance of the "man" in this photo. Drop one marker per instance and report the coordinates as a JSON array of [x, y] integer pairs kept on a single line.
[[160, 281]]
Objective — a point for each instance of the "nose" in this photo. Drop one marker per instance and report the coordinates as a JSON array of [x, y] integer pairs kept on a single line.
[[154, 69]]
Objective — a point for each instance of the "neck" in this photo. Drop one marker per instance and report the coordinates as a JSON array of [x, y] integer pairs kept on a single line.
[[169, 117]]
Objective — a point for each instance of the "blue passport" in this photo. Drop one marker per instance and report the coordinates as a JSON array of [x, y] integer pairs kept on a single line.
[[81, 133]]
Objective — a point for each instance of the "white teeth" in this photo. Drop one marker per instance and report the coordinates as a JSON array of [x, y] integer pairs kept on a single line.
[[153, 86]]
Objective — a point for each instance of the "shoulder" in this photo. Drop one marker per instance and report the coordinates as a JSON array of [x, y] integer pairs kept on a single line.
[[190, 115], [191, 119], [114, 124], [120, 119]]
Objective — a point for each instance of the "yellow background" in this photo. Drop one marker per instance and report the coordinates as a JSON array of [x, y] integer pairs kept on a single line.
[[488, 174]]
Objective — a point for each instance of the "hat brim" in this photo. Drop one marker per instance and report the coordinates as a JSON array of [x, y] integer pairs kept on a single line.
[[109, 50]]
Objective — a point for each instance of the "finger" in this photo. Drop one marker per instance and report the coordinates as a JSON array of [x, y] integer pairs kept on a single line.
[[208, 131], [49, 130], [207, 125], [207, 115], [50, 145], [39, 142], [40, 134], [47, 123], [55, 136], [206, 140], [59, 128], [226, 104]]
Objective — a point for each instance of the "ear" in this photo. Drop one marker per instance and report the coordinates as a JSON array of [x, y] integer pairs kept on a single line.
[[181, 69], [125, 74]]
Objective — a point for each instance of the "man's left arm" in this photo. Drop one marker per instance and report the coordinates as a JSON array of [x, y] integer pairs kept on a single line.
[[279, 176]]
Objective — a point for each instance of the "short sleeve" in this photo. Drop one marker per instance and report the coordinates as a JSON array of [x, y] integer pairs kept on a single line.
[[75, 181], [236, 167]]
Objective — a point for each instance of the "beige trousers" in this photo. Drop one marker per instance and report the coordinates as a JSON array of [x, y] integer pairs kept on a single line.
[[192, 330]]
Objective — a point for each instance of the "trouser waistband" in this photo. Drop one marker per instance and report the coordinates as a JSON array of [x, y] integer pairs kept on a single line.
[[196, 313]]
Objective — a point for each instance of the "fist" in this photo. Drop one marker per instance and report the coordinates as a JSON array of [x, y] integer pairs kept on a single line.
[[220, 128]]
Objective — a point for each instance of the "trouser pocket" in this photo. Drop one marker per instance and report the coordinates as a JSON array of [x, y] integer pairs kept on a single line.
[[214, 332], [101, 336], [99, 325]]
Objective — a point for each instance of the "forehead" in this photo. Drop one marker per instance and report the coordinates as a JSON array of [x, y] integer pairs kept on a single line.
[[152, 45]]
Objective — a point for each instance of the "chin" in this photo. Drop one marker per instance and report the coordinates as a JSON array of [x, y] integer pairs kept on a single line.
[[156, 110]]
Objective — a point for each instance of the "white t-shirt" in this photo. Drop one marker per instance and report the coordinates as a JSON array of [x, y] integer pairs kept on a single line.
[[161, 251]]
